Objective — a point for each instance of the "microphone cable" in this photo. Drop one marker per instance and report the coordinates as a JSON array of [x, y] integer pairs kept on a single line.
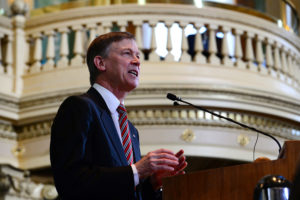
[[174, 98]]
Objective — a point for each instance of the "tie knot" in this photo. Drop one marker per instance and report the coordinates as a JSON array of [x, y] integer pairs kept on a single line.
[[121, 108]]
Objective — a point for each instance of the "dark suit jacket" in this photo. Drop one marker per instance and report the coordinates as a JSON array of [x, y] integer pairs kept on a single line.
[[87, 157]]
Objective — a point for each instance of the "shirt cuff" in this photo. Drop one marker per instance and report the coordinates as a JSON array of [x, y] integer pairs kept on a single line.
[[135, 175]]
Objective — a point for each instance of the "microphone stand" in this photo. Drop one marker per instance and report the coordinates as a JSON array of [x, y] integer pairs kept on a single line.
[[174, 98]]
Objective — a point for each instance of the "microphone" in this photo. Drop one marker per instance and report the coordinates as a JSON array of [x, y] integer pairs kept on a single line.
[[174, 98]]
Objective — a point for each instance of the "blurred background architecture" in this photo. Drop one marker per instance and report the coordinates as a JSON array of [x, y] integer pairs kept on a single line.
[[238, 58]]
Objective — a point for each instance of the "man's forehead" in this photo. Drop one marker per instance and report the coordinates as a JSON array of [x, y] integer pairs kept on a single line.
[[124, 44]]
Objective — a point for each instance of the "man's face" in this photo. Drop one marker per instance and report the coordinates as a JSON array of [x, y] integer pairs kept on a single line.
[[123, 65]]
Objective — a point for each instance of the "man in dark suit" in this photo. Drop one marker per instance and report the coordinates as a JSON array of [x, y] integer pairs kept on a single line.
[[94, 149]]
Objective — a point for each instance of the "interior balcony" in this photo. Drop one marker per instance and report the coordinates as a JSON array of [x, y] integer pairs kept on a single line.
[[235, 64]]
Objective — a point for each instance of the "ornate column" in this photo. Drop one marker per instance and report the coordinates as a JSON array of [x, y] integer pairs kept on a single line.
[[19, 10]]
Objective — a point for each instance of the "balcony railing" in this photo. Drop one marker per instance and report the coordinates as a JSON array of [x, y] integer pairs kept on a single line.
[[259, 46]]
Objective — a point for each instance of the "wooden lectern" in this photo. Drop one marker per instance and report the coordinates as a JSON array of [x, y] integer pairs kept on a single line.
[[233, 182]]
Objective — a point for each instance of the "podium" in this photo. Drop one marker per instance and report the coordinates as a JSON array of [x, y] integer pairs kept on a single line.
[[233, 182]]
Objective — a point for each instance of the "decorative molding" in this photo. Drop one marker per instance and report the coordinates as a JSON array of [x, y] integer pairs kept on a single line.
[[51, 97], [188, 135], [7, 131], [15, 183], [169, 116], [227, 93], [243, 139]]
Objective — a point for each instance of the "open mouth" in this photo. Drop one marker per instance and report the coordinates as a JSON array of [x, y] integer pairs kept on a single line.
[[133, 72]]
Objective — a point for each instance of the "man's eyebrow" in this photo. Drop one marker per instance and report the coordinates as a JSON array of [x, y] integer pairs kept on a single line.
[[138, 52]]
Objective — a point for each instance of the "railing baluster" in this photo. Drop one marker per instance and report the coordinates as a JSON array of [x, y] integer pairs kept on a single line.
[[212, 47], [27, 55], [297, 73], [226, 61], [185, 57], [238, 54], [106, 26], [78, 46], [1, 61], [92, 30], [169, 57], [260, 55], [64, 48], [123, 25], [37, 54], [50, 51], [199, 57], [269, 57], [153, 56], [284, 68], [99, 30], [138, 37], [289, 66], [277, 61], [249, 55], [8, 56], [293, 70]]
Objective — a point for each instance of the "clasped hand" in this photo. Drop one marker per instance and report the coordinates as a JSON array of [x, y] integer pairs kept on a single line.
[[159, 164]]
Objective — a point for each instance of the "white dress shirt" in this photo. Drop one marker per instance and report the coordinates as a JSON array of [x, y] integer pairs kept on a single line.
[[113, 103]]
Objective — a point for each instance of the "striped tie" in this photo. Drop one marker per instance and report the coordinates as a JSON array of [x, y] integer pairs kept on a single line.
[[125, 133]]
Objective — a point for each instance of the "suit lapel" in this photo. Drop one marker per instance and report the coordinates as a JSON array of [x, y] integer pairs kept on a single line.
[[135, 143], [108, 123]]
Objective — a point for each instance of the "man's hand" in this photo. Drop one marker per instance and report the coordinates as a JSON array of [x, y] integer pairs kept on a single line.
[[156, 178], [161, 160]]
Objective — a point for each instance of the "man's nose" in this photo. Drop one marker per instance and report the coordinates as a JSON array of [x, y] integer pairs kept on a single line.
[[136, 61]]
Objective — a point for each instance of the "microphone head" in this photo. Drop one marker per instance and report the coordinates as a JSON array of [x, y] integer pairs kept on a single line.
[[172, 97]]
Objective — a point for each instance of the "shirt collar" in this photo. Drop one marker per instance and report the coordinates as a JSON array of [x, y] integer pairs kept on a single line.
[[110, 99]]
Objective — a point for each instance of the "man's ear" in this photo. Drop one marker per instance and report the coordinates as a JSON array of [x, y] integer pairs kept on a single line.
[[99, 63]]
